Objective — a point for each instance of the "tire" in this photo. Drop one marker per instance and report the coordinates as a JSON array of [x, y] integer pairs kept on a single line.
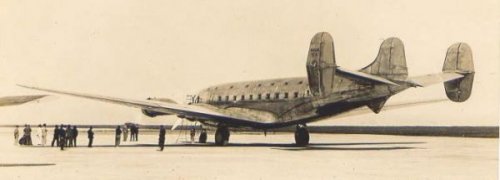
[[301, 137], [221, 136]]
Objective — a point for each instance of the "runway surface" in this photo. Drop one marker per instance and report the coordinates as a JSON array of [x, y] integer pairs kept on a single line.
[[255, 156]]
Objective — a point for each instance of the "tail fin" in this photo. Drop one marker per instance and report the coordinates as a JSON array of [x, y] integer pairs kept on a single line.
[[459, 60], [390, 62], [321, 64]]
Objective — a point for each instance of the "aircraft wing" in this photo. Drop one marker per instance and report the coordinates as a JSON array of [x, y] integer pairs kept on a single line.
[[185, 111], [431, 79], [16, 100]]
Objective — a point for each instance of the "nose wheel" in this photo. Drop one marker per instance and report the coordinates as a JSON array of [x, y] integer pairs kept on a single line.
[[301, 135], [221, 136]]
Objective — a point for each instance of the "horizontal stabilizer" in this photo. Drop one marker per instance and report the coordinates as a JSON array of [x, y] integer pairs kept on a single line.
[[430, 79], [364, 76]]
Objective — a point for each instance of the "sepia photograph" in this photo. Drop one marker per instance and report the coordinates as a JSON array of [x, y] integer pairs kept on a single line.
[[232, 89]]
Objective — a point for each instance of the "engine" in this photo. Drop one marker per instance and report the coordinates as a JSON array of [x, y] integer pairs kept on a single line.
[[151, 113]]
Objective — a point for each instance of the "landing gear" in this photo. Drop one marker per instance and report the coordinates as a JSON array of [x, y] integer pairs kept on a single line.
[[221, 136], [301, 135]]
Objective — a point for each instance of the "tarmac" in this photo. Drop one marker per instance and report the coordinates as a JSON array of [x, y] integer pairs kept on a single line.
[[255, 156]]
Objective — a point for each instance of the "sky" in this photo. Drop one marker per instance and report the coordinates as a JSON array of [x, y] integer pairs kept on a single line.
[[138, 49]]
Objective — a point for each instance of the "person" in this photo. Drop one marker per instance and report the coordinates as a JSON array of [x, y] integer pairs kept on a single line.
[[55, 139], [75, 135], [136, 132], [39, 134], [62, 137], [90, 135], [192, 133], [125, 133], [16, 135], [161, 139], [132, 132], [69, 136], [118, 134], [27, 135], [203, 136], [44, 134]]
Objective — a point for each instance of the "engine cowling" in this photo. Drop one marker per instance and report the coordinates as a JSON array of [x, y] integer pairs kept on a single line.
[[151, 113]]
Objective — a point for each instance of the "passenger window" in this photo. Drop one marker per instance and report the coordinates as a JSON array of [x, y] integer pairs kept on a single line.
[[251, 97], [286, 95], [242, 97], [295, 94], [234, 98], [219, 98], [227, 98], [268, 96], [259, 96], [276, 95]]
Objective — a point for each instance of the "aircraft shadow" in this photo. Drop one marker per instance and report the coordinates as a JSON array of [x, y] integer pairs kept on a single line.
[[278, 146]]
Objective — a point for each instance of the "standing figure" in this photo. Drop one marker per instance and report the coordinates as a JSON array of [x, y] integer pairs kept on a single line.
[[27, 132], [132, 132], [90, 134], [137, 133], [44, 134], [69, 136], [61, 127], [118, 134], [16, 135], [125, 133], [75, 135], [192, 133], [39, 134], [161, 138], [62, 138], [56, 136]]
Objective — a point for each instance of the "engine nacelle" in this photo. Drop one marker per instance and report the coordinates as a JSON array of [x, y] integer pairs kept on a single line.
[[151, 113]]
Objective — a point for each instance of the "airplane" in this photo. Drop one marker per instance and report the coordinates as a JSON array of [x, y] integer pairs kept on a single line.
[[327, 91]]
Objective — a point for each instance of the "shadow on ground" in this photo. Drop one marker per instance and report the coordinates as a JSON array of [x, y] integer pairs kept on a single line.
[[278, 146]]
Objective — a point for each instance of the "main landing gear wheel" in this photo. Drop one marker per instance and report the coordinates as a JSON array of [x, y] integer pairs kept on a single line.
[[221, 136], [301, 136]]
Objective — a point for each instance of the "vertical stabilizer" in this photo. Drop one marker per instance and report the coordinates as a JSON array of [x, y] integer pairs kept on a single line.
[[321, 64], [390, 62]]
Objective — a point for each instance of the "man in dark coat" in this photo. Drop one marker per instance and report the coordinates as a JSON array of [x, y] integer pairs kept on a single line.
[[137, 133], [69, 136], [56, 136], [90, 134], [118, 134], [62, 140], [161, 138], [132, 132], [75, 135]]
